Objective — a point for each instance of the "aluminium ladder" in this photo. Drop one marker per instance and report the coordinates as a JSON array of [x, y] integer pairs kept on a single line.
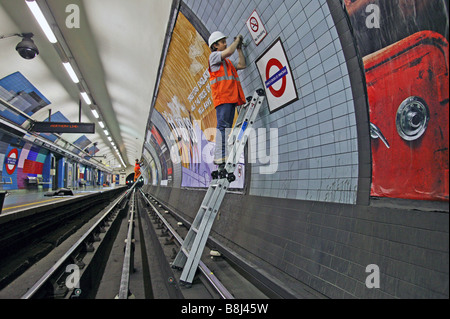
[[191, 251]]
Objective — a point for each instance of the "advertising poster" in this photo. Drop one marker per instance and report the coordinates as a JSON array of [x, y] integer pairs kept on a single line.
[[406, 58], [24, 163], [163, 153], [184, 101]]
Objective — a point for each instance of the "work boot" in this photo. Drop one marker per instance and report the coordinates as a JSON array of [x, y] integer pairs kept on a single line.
[[219, 161]]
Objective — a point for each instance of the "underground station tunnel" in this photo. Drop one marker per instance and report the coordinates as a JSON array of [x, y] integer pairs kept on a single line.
[[229, 149]]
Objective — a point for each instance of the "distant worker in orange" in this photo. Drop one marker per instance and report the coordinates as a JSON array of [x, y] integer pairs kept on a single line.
[[137, 170], [226, 89]]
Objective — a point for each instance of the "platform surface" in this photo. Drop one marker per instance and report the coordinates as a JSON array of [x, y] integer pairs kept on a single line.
[[18, 200]]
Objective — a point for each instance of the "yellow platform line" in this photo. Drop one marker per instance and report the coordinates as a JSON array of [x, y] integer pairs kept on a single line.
[[30, 204], [45, 201]]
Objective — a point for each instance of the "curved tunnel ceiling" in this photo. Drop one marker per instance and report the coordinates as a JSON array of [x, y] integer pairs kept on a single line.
[[117, 52]]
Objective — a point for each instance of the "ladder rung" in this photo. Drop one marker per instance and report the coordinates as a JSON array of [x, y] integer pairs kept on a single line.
[[205, 207]]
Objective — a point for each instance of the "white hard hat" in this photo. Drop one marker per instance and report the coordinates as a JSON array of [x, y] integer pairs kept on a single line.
[[216, 36]]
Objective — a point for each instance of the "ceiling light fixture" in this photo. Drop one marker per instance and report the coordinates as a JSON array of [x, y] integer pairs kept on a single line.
[[71, 72], [39, 16], [86, 98], [50, 28], [95, 113]]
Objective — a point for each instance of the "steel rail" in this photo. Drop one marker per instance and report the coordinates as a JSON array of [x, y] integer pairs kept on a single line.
[[38, 285], [127, 259], [212, 279], [267, 283]]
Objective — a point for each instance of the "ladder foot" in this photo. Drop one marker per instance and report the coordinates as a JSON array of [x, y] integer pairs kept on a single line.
[[185, 284], [215, 175], [177, 267]]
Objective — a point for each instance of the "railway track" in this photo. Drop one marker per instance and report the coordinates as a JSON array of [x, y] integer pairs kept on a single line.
[[242, 278], [127, 254], [28, 236], [81, 264]]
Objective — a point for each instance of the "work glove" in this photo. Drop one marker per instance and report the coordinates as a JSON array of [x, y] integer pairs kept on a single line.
[[241, 39]]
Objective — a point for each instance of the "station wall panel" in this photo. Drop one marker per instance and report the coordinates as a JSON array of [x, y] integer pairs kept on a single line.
[[317, 135], [312, 222]]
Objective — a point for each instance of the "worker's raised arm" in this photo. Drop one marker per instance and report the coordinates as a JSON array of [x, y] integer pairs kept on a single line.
[[242, 64], [230, 50]]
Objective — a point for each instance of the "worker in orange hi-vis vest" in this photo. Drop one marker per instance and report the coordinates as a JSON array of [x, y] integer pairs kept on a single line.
[[226, 89], [137, 170]]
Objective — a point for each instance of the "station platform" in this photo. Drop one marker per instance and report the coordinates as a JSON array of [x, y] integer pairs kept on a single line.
[[18, 200]]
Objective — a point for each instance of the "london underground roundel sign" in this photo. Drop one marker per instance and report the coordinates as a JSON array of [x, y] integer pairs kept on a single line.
[[279, 76], [11, 161], [276, 74]]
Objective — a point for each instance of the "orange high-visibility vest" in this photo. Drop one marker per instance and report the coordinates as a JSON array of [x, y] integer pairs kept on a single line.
[[137, 171], [225, 85]]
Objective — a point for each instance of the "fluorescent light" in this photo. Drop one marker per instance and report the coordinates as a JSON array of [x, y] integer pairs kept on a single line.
[[95, 113], [71, 72], [86, 98], [110, 138], [106, 132], [39, 16], [101, 124]]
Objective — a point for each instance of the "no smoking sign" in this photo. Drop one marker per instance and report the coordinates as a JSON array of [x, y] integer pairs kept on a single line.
[[276, 74], [254, 24], [256, 28]]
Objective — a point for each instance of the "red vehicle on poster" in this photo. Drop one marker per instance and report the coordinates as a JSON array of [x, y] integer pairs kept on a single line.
[[408, 91]]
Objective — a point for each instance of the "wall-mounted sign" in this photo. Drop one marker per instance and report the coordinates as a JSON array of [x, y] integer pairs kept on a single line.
[[11, 161], [256, 28], [63, 127], [276, 75]]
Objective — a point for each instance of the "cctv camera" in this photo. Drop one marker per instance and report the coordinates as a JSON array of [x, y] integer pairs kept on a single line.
[[26, 48]]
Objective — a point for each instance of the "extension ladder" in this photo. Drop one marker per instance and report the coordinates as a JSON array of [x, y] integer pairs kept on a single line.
[[191, 251]]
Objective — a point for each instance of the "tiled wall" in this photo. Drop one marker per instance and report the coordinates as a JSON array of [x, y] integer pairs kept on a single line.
[[317, 136], [323, 230]]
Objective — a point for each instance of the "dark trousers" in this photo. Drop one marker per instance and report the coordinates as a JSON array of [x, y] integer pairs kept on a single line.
[[225, 116]]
